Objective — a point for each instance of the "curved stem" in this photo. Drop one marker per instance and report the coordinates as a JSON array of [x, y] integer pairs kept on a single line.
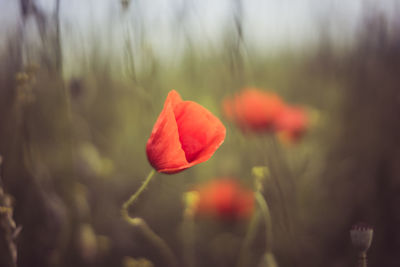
[[262, 203], [131, 200], [250, 235], [156, 240], [253, 225], [276, 162]]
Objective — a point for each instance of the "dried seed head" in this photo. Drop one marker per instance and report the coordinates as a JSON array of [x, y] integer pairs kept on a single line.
[[361, 236]]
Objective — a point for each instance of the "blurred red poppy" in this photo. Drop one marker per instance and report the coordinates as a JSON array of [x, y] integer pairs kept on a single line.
[[291, 124], [184, 135], [253, 109], [224, 198]]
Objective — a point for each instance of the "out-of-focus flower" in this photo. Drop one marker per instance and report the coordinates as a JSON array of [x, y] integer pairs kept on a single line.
[[184, 135], [253, 110], [223, 198], [291, 124]]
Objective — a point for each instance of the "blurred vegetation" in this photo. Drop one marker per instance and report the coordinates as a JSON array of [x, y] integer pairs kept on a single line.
[[73, 149]]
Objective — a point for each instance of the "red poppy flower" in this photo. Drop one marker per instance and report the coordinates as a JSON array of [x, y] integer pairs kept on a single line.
[[292, 124], [224, 198], [184, 135], [253, 109]]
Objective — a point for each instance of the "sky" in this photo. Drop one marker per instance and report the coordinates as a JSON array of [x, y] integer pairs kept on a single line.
[[268, 25]]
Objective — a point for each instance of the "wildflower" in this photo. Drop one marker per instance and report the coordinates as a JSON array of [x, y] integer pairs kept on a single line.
[[184, 135], [253, 110], [291, 124], [225, 199]]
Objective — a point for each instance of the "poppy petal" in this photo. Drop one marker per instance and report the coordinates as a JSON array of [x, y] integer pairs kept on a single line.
[[163, 148], [253, 110], [292, 124], [200, 132], [225, 199], [174, 98]]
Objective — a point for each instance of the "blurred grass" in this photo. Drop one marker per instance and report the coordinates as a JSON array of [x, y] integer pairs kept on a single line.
[[76, 153]]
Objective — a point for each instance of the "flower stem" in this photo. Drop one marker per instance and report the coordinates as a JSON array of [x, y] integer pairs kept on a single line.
[[188, 240], [262, 203], [250, 235], [362, 259], [156, 240], [253, 225], [131, 200]]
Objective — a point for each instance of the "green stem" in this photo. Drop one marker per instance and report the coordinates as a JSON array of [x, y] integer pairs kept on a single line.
[[288, 199], [281, 174], [253, 225], [131, 200], [250, 235], [189, 241], [156, 240], [262, 203]]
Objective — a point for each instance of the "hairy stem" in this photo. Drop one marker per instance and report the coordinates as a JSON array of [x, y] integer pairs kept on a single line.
[[132, 199]]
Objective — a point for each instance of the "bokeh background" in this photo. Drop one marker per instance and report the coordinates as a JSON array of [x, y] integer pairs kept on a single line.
[[82, 83]]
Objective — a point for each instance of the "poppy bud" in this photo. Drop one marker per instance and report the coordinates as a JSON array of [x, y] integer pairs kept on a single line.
[[184, 135]]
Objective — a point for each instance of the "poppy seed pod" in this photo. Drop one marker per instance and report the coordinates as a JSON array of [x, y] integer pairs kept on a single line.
[[361, 236], [184, 135]]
